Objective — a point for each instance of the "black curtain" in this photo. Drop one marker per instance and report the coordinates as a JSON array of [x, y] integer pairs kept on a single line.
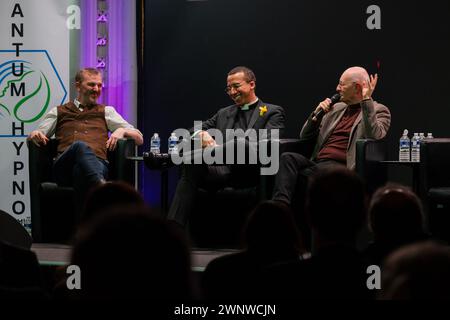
[[298, 50]]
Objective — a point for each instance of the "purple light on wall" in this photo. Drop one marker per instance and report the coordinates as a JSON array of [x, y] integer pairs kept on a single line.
[[121, 66], [88, 54], [102, 41], [122, 58], [101, 17], [101, 64]]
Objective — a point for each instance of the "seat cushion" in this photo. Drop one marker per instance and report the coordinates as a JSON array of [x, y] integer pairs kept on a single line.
[[439, 195]]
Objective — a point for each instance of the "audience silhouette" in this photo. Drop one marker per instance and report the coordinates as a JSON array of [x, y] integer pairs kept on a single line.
[[130, 253], [109, 195], [417, 271], [270, 236], [20, 275], [395, 218], [125, 250], [336, 207]]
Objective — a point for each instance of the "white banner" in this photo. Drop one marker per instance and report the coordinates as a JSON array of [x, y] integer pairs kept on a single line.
[[34, 77]]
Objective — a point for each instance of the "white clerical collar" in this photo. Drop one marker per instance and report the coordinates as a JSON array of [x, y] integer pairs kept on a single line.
[[247, 105]]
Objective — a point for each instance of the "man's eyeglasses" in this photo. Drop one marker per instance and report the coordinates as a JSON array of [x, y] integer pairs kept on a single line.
[[233, 86], [348, 83]]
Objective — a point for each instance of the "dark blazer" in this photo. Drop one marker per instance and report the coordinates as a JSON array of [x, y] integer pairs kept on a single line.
[[224, 119]]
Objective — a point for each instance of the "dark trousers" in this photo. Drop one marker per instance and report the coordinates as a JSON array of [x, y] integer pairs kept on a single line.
[[292, 177], [291, 184], [211, 178], [79, 167]]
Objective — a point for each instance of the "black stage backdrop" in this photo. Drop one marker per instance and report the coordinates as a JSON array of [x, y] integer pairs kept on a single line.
[[298, 50]]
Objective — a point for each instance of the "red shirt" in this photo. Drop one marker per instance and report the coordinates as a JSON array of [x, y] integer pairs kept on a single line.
[[335, 148]]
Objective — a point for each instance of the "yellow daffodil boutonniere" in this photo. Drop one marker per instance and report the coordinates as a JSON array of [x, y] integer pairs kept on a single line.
[[262, 110]]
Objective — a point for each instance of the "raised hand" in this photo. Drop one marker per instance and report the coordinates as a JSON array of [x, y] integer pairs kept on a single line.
[[369, 87]]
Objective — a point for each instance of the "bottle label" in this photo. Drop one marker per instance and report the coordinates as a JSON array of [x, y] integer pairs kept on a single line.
[[154, 145], [404, 144]]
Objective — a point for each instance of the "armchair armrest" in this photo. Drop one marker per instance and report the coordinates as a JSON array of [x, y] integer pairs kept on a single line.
[[434, 161], [40, 162], [121, 167], [301, 146], [369, 150], [304, 147], [369, 153]]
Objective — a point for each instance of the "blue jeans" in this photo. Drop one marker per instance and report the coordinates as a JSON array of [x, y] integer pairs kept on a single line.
[[79, 167]]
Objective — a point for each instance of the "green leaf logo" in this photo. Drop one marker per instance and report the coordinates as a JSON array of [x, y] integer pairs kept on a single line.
[[21, 105]]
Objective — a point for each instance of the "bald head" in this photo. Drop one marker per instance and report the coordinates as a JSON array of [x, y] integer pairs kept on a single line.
[[356, 74], [351, 83]]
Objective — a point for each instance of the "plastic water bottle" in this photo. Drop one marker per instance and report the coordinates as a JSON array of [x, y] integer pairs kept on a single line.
[[421, 136], [155, 144], [404, 151], [415, 148], [173, 140]]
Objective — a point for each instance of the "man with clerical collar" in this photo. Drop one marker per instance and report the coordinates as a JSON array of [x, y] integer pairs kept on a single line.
[[81, 128], [247, 112]]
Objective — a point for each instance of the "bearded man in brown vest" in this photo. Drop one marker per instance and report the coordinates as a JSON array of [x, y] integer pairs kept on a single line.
[[81, 128]]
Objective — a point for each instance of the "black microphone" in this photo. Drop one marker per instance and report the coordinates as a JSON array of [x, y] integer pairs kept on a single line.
[[335, 98]]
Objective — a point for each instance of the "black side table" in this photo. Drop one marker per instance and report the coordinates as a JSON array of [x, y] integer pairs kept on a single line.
[[160, 162], [415, 166]]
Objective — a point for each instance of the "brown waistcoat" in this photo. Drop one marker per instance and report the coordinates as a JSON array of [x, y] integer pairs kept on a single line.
[[88, 126]]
